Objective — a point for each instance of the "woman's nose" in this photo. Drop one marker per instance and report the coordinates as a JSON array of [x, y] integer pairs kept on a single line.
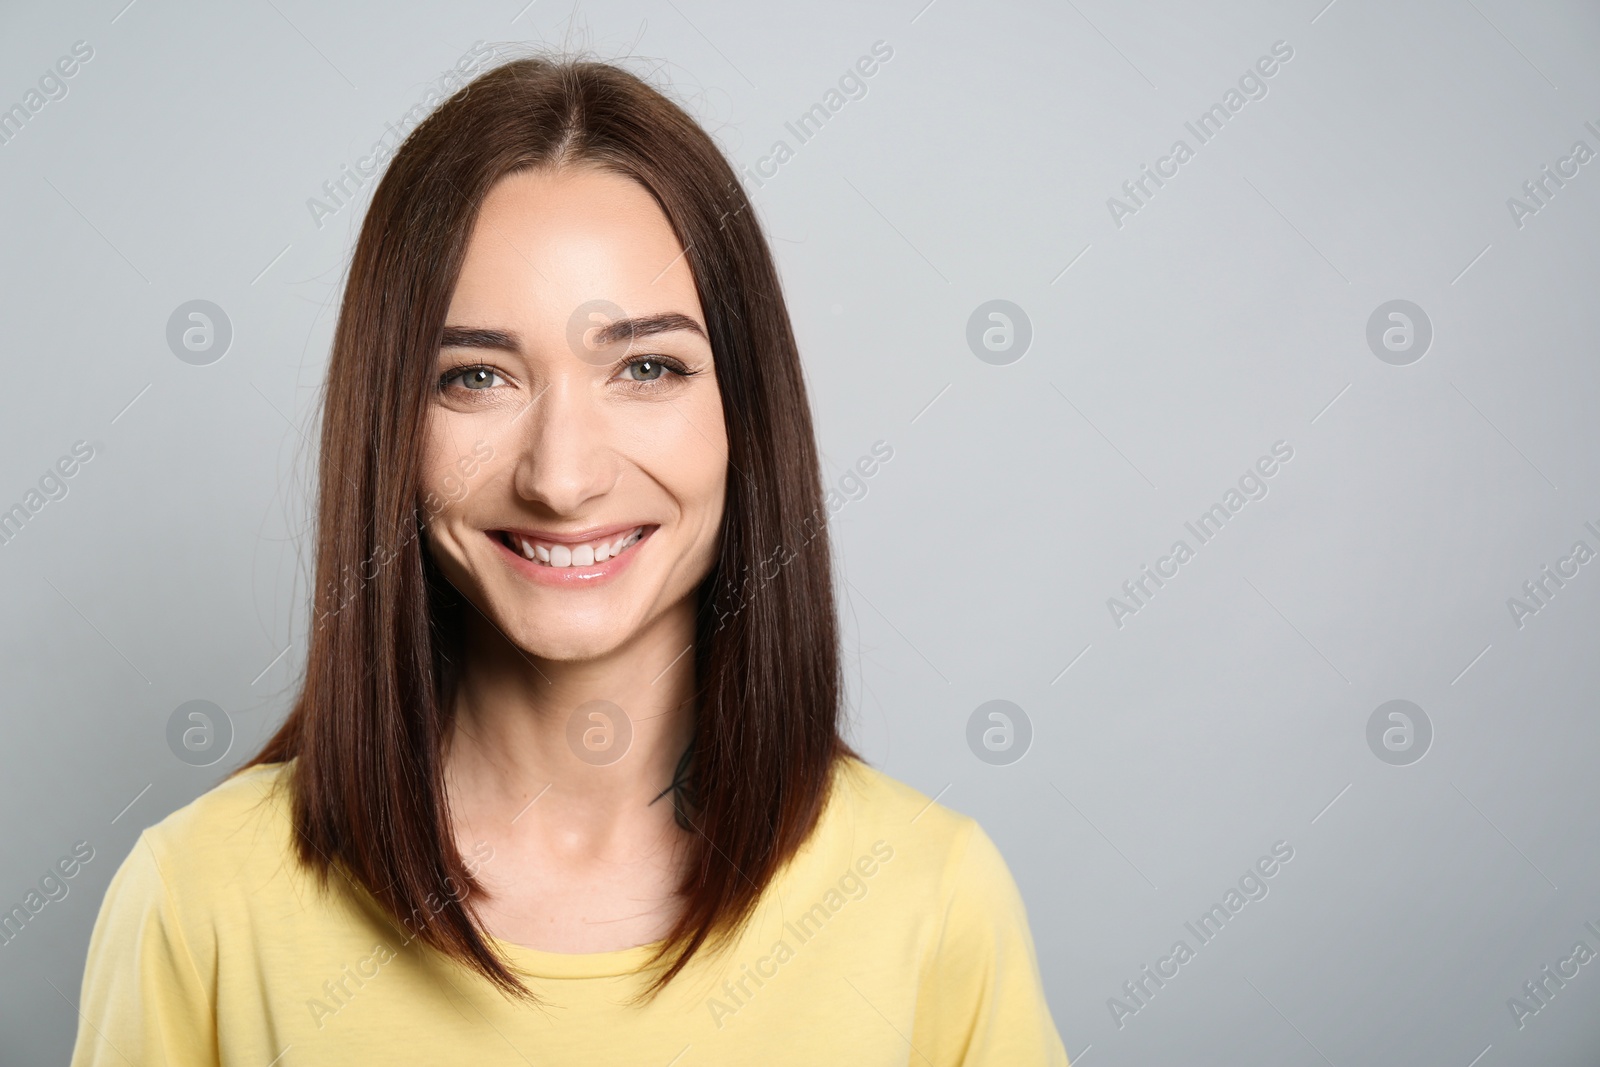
[[564, 455]]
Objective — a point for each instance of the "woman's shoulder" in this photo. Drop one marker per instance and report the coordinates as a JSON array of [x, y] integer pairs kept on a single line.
[[931, 882], [200, 878], [875, 795], [250, 797], [878, 788], [869, 805], [947, 900], [238, 827]]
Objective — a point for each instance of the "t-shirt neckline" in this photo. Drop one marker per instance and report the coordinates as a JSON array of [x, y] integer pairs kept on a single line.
[[539, 963]]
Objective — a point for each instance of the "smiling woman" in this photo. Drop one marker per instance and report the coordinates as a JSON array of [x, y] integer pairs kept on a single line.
[[561, 279]]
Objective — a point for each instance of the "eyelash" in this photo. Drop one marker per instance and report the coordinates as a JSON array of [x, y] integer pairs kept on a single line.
[[667, 363]]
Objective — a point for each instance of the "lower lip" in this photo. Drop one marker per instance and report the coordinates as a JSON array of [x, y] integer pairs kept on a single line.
[[592, 575]]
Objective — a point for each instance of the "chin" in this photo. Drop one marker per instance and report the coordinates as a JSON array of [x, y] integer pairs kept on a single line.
[[566, 640]]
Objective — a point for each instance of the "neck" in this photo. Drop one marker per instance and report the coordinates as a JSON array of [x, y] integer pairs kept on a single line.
[[515, 747]]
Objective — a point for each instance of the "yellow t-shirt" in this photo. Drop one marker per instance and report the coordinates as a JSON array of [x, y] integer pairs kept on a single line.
[[896, 936]]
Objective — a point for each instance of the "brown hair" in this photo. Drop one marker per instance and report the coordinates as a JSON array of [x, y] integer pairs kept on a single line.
[[367, 731]]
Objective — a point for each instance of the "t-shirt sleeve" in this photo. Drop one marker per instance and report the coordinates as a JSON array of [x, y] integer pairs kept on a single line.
[[144, 1001], [981, 1001]]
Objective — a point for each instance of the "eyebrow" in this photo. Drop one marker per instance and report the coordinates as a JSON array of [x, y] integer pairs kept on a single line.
[[471, 337], [621, 330]]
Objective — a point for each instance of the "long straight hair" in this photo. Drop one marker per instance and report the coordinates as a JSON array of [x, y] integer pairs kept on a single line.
[[367, 732]]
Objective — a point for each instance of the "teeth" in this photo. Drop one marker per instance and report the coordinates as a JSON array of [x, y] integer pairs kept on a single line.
[[576, 555]]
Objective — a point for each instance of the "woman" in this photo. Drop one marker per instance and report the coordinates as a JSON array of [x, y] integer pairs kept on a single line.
[[565, 782]]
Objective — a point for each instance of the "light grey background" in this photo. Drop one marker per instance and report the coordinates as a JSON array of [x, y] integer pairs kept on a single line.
[[1168, 354]]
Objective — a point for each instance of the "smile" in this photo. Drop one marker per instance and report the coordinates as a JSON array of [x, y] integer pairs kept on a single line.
[[560, 554]]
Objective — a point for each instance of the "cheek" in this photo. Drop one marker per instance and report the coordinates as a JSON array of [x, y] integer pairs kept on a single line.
[[681, 443], [444, 492], [704, 452], [700, 460], [454, 451], [438, 431], [705, 476], [682, 447]]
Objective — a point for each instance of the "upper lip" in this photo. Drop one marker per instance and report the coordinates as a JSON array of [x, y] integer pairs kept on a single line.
[[577, 537]]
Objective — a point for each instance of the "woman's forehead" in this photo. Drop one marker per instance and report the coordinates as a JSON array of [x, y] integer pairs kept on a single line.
[[546, 242]]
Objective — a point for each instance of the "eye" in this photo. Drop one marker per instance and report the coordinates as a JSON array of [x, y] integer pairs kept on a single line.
[[644, 370], [651, 368], [471, 378]]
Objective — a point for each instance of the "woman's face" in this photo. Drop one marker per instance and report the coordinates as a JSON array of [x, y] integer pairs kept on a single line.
[[574, 476]]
